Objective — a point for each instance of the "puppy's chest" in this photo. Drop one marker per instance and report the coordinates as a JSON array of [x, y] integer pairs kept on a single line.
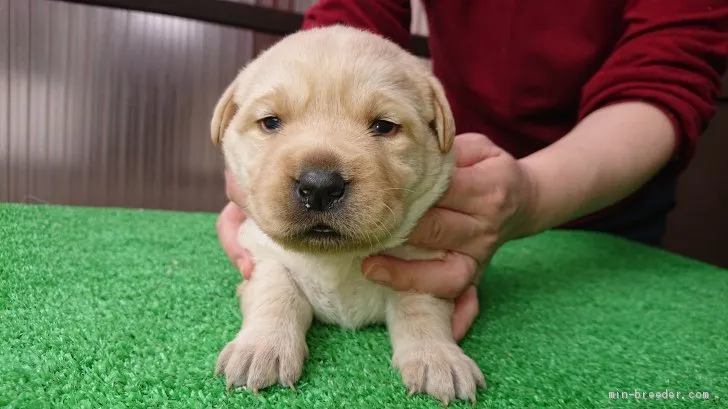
[[335, 287], [339, 294]]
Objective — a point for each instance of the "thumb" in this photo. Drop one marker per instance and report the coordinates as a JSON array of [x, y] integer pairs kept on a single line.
[[471, 148], [446, 278]]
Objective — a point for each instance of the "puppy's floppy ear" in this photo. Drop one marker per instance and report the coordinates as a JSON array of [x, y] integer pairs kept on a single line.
[[223, 113], [444, 122]]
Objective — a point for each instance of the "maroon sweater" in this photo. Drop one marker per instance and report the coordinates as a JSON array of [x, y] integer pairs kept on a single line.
[[524, 72]]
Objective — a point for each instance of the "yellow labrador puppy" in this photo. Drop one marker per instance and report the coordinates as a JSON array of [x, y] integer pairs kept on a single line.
[[342, 141]]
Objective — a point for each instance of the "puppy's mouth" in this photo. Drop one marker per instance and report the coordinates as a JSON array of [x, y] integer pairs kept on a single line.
[[318, 238], [321, 231]]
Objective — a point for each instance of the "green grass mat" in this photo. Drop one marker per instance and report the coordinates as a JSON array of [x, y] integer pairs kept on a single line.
[[108, 308]]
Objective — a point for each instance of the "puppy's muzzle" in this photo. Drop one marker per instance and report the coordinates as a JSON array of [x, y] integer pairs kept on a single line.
[[320, 190]]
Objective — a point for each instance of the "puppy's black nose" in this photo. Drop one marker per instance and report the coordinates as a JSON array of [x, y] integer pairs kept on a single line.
[[320, 189]]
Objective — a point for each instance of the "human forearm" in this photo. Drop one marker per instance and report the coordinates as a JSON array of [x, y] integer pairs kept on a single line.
[[605, 158], [670, 53]]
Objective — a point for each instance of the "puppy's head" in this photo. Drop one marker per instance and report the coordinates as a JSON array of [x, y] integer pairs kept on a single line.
[[341, 139]]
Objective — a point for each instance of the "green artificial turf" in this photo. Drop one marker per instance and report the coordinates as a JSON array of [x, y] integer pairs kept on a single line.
[[109, 308]]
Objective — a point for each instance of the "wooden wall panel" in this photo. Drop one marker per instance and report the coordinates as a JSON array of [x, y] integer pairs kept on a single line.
[[107, 107]]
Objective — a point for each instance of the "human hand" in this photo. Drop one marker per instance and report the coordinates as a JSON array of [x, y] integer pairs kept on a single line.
[[488, 203], [228, 224]]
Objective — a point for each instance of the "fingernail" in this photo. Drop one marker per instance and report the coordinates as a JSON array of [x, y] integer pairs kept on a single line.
[[378, 273], [241, 265]]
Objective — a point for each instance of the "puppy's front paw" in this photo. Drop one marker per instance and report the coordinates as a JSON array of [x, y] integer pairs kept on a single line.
[[440, 369], [258, 359]]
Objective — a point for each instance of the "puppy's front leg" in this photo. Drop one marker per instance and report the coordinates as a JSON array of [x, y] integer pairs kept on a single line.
[[425, 352], [271, 345]]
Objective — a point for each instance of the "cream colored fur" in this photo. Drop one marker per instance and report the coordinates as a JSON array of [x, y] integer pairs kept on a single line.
[[325, 84]]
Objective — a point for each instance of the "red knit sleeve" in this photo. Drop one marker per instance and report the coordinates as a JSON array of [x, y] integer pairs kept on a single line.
[[672, 54], [388, 18]]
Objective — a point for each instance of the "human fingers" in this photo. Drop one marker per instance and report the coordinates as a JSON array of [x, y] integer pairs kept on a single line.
[[478, 188], [446, 278], [228, 224], [443, 229], [467, 308]]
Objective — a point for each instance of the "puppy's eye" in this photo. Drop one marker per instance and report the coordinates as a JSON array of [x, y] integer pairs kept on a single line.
[[270, 123], [381, 127]]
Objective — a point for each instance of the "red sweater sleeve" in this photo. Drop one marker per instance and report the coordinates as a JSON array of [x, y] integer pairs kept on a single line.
[[672, 54], [389, 18]]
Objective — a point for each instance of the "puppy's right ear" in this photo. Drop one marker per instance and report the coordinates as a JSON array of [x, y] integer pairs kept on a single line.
[[223, 114]]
